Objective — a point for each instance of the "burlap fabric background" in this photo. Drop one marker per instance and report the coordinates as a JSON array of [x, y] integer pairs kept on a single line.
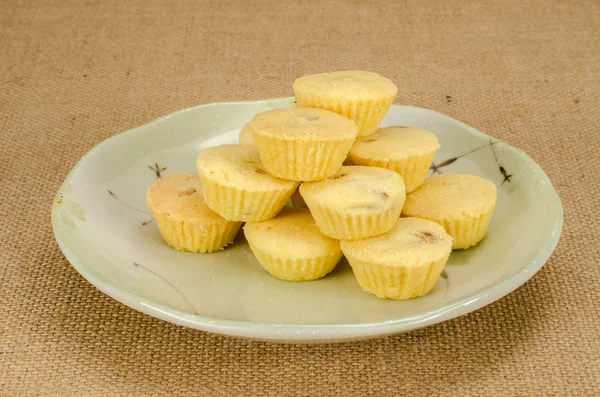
[[73, 73]]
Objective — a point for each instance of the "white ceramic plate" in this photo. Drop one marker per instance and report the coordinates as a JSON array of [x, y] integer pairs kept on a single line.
[[105, 230]]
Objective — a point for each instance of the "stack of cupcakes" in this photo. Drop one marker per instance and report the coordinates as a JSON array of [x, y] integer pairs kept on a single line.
[[348, 182]]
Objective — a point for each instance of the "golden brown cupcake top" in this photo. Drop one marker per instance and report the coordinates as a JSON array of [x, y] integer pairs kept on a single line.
[[395, 143], [304, 124], [238, 166], [357, 189], [346, 84], [179, 196], [411, 242], [451, 196], [292, 233]]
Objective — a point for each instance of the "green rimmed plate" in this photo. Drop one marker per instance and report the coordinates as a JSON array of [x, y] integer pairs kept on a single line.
[[107, 233]]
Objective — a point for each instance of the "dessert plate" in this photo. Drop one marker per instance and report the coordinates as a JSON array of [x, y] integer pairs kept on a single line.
[[107, 233]]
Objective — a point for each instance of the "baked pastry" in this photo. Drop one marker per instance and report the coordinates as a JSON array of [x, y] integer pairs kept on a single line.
[[461, 203], [406, 150], [291, 247], [356, 203], [246, 136], [364, 97], [184, 221], [403, 263], [236, 185], [302, 144]]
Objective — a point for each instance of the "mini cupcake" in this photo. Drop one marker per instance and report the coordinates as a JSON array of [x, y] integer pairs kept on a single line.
[[184, 221], [403, 263], [461, 203], [291, 247], [246, 136], [302, 144], [406, 150], [364, 97], [356, 203], [236, 185]]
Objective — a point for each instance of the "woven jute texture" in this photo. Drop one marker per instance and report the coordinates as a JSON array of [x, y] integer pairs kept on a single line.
[[73, 73]]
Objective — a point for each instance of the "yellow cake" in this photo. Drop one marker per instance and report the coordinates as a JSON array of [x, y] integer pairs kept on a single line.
[[236, 185], [403, 263], [462, 203], [302, 144], [364, 97], [185, 222], [246, 136], [406, 150], [291, 247], [356, 203]]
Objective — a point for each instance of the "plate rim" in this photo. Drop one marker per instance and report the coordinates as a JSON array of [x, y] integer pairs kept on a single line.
[[311, 333]]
